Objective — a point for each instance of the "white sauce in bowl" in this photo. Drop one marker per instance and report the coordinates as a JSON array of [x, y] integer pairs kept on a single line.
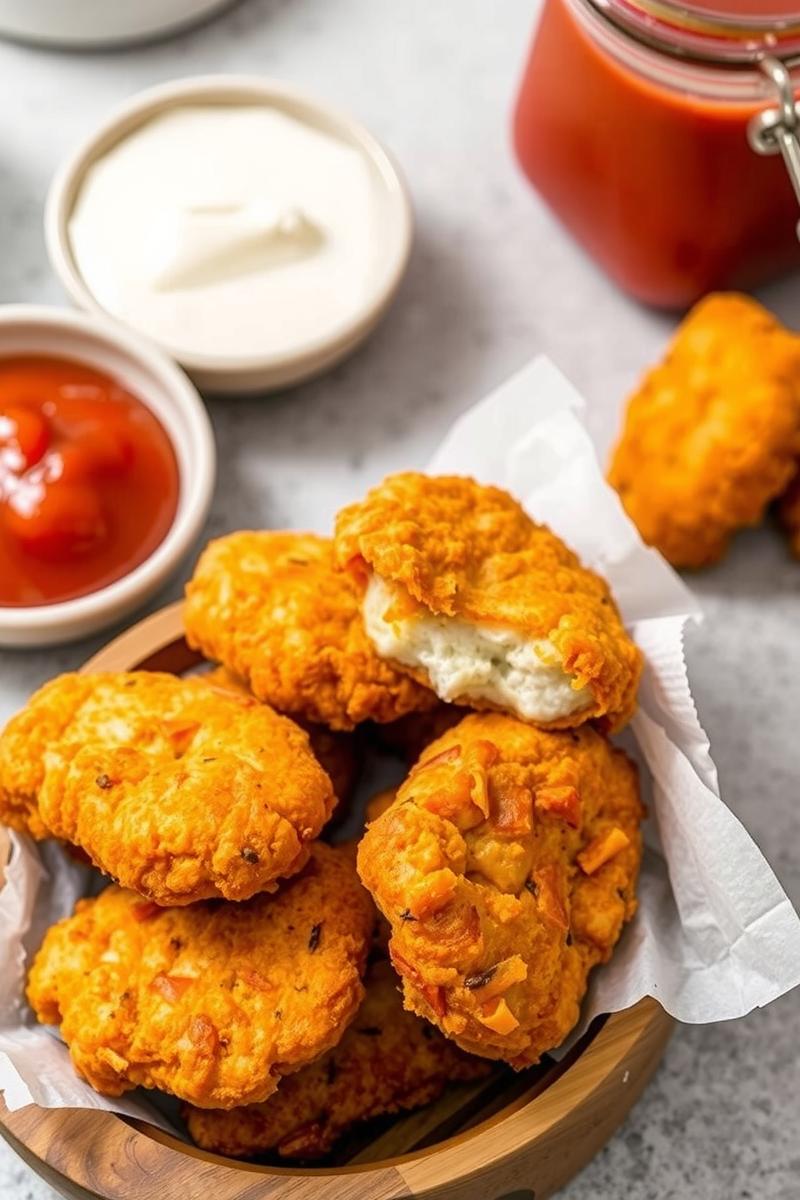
[[230, 231]]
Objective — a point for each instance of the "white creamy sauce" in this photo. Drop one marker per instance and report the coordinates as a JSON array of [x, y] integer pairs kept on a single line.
[[478, 662], [227, 230]]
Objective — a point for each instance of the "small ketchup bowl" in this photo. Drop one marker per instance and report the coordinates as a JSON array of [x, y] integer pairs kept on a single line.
[[52, 524]]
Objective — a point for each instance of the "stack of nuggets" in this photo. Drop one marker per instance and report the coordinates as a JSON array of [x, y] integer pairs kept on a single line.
[[504, 866]]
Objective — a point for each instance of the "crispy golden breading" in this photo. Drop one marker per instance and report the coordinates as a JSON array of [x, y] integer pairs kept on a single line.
[[712, 434], [387, 1061], [457, 549], [271, 608], [174, 789], [215, 1002], [506, 868], [337, 753], [409, 735], [375, 807], [789, 513]]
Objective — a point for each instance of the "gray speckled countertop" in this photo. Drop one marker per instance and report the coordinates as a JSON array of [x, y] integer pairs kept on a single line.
[[492, 281]]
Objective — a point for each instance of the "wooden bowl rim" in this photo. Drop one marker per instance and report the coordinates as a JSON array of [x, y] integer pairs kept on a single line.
[[41, 1134], [46, 1134]]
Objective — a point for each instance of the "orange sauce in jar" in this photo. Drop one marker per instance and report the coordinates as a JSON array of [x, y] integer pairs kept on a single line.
[[640, 145], [89, 480]]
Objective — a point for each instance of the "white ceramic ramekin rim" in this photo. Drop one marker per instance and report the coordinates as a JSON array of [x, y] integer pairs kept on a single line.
[[93, 23], [243, 373], [159, 383]]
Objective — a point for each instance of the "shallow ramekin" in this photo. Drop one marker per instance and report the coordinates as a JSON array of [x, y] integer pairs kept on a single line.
[[164, 388], [94, 23], [246, 374]]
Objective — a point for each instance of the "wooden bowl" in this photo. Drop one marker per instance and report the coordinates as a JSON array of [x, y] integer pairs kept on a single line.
[[509, 1138]]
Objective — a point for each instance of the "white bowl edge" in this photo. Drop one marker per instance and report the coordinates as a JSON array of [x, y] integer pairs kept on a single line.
[[237, 375]]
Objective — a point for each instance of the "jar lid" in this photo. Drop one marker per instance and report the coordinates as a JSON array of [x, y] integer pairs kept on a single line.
[[753, 12], [715, 31]]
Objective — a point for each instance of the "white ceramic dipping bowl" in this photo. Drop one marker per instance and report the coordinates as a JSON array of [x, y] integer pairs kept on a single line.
[[94, 23], [160, 385], [241, 374]]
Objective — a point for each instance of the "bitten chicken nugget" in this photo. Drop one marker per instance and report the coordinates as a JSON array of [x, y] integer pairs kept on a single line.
[[387, 1061], [215, 1002], [271, 608], [337, 753], [465, 592], [712, 434], [506, 868], [789, 513], [174, 789]]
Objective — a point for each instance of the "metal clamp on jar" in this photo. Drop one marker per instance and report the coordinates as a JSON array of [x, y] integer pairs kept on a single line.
[[777, 130]]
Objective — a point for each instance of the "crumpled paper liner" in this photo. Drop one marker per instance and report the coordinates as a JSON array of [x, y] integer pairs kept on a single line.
[[715, 935]]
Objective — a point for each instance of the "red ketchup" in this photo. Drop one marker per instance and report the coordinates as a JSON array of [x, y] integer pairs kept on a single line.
[[632, 124], [88, 480]]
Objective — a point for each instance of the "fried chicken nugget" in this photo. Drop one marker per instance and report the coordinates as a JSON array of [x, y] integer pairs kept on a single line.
[[271, 608], [506, 868], [215, 1002], [387, 1061], [336, 753], [712, 434], [472, 598], [789, 513], [174, 789]]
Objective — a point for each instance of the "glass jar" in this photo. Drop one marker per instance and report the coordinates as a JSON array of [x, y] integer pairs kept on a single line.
[[632, 123]]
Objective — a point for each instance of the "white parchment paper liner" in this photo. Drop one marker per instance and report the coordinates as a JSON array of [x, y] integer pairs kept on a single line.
[[715, 935]]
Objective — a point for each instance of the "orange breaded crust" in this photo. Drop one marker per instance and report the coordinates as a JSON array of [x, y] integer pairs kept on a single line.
[[213, 1003], [506, 868], [789, 513], [712, 434], [459, 549], [337, 753], [177, 790], [271, 608], [387, 1061], [375, 807]]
